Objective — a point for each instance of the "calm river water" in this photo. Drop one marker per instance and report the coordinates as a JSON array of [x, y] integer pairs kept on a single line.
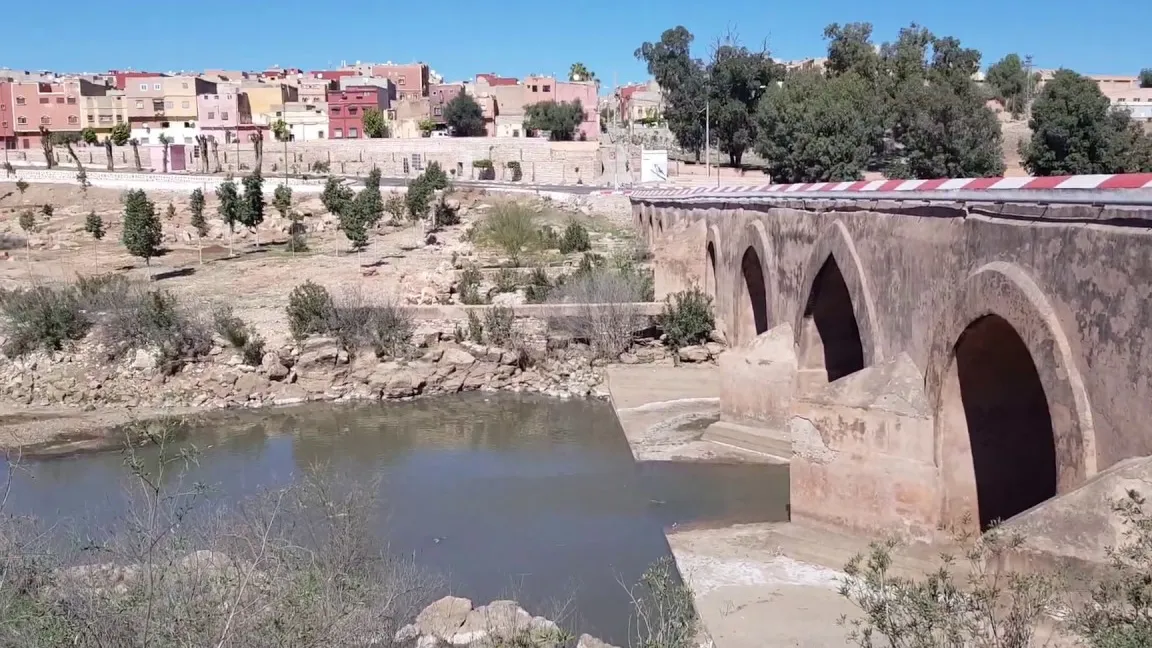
[[504, 495]]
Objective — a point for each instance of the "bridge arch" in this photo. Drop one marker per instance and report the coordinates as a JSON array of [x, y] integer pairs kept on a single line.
[[712, 256], [1013, 424], [836, 327], [752, 297]]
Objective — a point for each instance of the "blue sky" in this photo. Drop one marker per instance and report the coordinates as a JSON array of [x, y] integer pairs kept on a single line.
[[516, 37]]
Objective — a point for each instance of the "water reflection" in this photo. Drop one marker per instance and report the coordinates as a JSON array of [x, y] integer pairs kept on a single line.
[[504, 494]]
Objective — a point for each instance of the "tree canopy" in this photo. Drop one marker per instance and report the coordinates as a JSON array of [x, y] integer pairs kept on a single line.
[[142, 230], [1010, 83], [560, 119], [579, 72], [375, 127], [464, 116], [682, 81], [1146, 78]]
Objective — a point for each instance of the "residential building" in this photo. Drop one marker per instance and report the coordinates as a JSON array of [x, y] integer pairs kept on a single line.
[[406, 115], [387, 84], [102, 108], [315, 91], [225, 113], [546, 88], [1111, 82], [492, 79], [411, 79], [7, 116], [306, 121], [639, 102], [1136, 100], [507, 96], [165, 104], [262, 96], [439, 96], [121, 78], [346, 110], [54, 105], [330, 75]]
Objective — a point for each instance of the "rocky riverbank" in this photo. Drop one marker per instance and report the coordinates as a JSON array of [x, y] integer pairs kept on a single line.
[[453, 621]]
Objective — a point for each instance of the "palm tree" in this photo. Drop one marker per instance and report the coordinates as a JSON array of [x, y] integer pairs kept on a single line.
[[108, 153], [165, 141], [135, 143], [580, 72]]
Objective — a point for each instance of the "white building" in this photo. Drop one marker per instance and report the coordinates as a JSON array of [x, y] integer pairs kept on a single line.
[[184, 132], [306, 121]]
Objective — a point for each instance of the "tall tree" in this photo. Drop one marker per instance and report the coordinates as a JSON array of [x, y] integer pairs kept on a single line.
[[121, 133], [111, 164], [373, 202], [464, 116], [166, 143], [142, 233], [196, 206], [682, 80], [1146, 78], [94, 225], [257, 139], [336, 196], [850, 50], [817, 129], [229, 208], [738, 78], [579, 72], [375, 126], [252, 210], [1009, 82], [46, 145], [1076, 131], [561, 119], [136, 152]]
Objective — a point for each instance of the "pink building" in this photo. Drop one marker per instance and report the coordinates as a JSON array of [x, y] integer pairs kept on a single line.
[[541, 88], [54, 105], [346, 110], [225, 114], [7, 120]]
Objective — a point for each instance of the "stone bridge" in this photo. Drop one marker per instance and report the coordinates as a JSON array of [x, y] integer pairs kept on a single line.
[[927, 355]]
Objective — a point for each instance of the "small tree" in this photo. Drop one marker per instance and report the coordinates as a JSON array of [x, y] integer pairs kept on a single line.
[[229, 207], [372, 202], [252, 213], [46, 145], [196, 206], [89, 136], [121, 133], [464, 116], [280, 130], [136, 153], [28, 224], [1146, 78], [165, 142], [21, 186], [282, 199], [395, 207], [142, 232], [94, 225], [108, 161], [561, 120], [426, 126], [375, 127], [336, 196], [170, 213], [354, 222]]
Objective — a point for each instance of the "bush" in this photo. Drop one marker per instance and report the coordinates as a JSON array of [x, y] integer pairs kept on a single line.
[[386, 328], [575, 239], [446, 214], [549, 239], [320, 166], [498, 321], [417, 198], [539, 285], [664, 615], [687, 318], [434, 177], [154, 319], [468, 287], [253, 350], [230, 327], [605, 315], [41, 318], [395, 207], [98, 293], [309, 310], [506, 280], [510, 227], [475, 327], [517, 173]]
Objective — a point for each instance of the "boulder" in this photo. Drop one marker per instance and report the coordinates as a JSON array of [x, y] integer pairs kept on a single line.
[[273, 367], [443, 618], [319, 350], [250, 383], [456, 356], [408, 633], [144, 360], [499, 619], [693, 354], [714, 349], [588, 641]]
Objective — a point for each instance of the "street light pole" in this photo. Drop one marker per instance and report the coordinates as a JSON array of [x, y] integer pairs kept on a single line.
[[707, 138]]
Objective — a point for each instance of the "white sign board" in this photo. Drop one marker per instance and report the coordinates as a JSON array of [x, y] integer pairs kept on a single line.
[[654, 166]]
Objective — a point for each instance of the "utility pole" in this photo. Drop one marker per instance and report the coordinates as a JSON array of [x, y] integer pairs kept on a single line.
[[708, 139], [615, 138], [1028, 85]]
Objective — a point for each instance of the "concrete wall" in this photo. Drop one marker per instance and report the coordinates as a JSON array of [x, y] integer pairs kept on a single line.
[[541, 161], [943, 301]]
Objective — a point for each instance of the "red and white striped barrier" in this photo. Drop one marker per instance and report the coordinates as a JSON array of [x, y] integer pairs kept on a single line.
[[1048, 183]]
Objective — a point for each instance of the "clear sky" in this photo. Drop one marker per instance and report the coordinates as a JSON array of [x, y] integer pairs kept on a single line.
[[517, 37]]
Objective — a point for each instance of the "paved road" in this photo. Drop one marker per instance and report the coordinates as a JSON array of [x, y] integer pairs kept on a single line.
[[571, 189]]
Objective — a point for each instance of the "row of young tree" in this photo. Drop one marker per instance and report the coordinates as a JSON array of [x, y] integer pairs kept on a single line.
[[909, 108]]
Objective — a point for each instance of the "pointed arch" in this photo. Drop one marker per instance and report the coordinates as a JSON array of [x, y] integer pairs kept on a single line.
[[1007, 392], [752, 283], [835, 244]]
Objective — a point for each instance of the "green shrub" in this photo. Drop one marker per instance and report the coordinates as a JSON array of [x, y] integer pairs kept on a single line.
[[549, 239], [575, 239], [154, 319], [687, 318], [468, 286], [386, 329], [98, 293], [517, 172], [417, 198], [498, 321], [475, 327], [434, 176], [41, 318], [506, 280], [253, 350], [230, 327], [446, 213], [320, 166], [47, 210], [539, 285], [309, 310], [511, 227]]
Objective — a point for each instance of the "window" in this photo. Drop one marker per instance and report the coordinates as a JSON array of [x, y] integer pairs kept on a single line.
[[45, 120], [320, 134], [183, 104], [338, 134], [335, 110], [400, 81], [44, 100], [139, 105], [92, 118], [211, 115], [3, 124], [351, 110], [144, 140], [119, 119], [224, 116], [535, 88], [187, 140], [169, 104], [105, 119], [353, 133], [437, 111], [392, 114], [155, 86], [72, 100], [547, 88], [73, 119], [22, 120], [144, 87], [227, 96], [417, 162], [59, 100], [19, 101], [184, 85]]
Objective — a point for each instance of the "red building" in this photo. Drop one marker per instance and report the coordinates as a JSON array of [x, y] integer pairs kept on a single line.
[[7, 117], [346, 110], [121, 78]]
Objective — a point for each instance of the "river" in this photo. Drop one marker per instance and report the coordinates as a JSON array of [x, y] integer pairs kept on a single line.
[[531, 498]]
